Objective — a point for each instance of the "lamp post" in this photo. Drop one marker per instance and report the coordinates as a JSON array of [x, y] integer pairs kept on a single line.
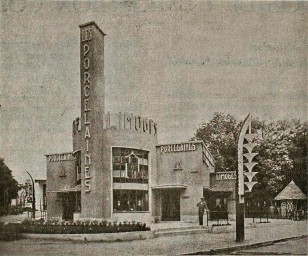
[[33, 197]]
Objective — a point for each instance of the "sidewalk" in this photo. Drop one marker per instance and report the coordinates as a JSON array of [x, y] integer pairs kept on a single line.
[[178, 228], [254, 234], [214, 236], [14, 218], [177, 244]]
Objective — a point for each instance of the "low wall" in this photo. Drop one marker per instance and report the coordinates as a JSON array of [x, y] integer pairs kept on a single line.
[[102, 237], [133, 216]]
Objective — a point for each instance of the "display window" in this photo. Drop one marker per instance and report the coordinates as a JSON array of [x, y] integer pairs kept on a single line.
[[130, 200], [130, 165]]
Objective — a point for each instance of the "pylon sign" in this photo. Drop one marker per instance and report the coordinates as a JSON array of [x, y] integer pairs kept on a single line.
[[246, 140]]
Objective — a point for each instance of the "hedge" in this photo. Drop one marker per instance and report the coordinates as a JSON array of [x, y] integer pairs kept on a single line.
[[66, 227]]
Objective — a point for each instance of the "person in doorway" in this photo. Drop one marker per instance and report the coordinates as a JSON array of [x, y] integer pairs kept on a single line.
[[201, 207]]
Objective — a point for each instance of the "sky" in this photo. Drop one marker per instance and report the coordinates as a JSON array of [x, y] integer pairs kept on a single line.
[[177, 62]]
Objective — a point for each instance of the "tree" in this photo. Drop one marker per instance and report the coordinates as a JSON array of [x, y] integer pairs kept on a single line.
[[273, 160], [8, 187], [298, 151], [282, 152], [282, 158], [220, 136]]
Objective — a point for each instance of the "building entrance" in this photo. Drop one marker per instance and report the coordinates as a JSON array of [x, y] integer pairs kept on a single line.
[[170, 205], [68, 206]]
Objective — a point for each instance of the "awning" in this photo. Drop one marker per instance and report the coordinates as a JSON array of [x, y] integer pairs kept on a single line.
[[169, 186], [40, 180], [218, 190]]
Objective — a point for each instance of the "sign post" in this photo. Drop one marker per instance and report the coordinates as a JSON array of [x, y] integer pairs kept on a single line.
[[245, 140]]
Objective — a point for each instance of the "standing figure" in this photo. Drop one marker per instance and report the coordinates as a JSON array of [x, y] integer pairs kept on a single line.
[[201, 206]]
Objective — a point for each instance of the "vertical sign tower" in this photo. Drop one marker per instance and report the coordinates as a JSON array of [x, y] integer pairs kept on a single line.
[[92, 111], [245, 136]]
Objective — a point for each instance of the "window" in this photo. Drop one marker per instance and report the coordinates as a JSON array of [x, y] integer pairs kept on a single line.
[[78, 167], [221, 203], [130, 165], [44, 190], [130, 200]]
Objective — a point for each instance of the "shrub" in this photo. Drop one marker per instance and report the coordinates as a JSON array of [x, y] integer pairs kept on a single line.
[[80, 227]]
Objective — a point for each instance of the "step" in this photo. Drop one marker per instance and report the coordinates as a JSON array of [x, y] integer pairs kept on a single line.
[[178, 228], [181, 231]]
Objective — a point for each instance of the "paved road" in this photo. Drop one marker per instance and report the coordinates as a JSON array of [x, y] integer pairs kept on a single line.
[[291, 247]]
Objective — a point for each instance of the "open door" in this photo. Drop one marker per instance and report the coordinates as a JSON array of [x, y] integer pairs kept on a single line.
[[68, 206], [171, 205]]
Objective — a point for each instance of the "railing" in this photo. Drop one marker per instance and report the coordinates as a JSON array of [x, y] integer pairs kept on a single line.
[[276, 213], [296, 215], [130, 180], [260, 215], [130, 177]]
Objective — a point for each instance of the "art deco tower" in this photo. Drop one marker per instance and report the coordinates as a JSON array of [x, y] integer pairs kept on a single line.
[[93, 193]]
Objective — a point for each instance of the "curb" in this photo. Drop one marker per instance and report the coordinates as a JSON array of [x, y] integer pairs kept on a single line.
[[161, 233], [100, 237], [243, 247]]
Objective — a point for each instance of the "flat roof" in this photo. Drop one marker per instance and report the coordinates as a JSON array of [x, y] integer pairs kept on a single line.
[[40, 180], [58, 153], [92, 23]]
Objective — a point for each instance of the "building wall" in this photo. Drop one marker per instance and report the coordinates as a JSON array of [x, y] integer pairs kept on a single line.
[[39, 194], [185, 167], [61, 175], [225, 181]]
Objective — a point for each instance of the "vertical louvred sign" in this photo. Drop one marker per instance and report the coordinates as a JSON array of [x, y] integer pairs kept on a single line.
[[250, 156], [247, 141]]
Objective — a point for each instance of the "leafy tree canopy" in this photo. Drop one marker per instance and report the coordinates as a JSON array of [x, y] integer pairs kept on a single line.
[[282, 151], [8, 185]]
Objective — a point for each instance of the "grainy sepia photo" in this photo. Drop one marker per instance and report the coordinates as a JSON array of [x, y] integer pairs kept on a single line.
[[167, 127]]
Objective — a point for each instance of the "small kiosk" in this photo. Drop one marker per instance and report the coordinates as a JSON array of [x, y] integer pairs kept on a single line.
[[292, 202]]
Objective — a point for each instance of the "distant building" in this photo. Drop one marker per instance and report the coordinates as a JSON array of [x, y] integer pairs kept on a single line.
[[118, 171], [28, 194], [292, 201], [40, 194]]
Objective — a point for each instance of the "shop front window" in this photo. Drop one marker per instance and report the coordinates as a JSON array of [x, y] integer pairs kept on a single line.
[[221, 204], [130, 165], [130, 200]]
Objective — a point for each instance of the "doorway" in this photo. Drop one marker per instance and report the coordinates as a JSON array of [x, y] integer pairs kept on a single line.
[[170, 205], [68, 206]]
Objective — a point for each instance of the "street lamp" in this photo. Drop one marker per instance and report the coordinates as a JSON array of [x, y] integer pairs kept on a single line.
[[33, 197]]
